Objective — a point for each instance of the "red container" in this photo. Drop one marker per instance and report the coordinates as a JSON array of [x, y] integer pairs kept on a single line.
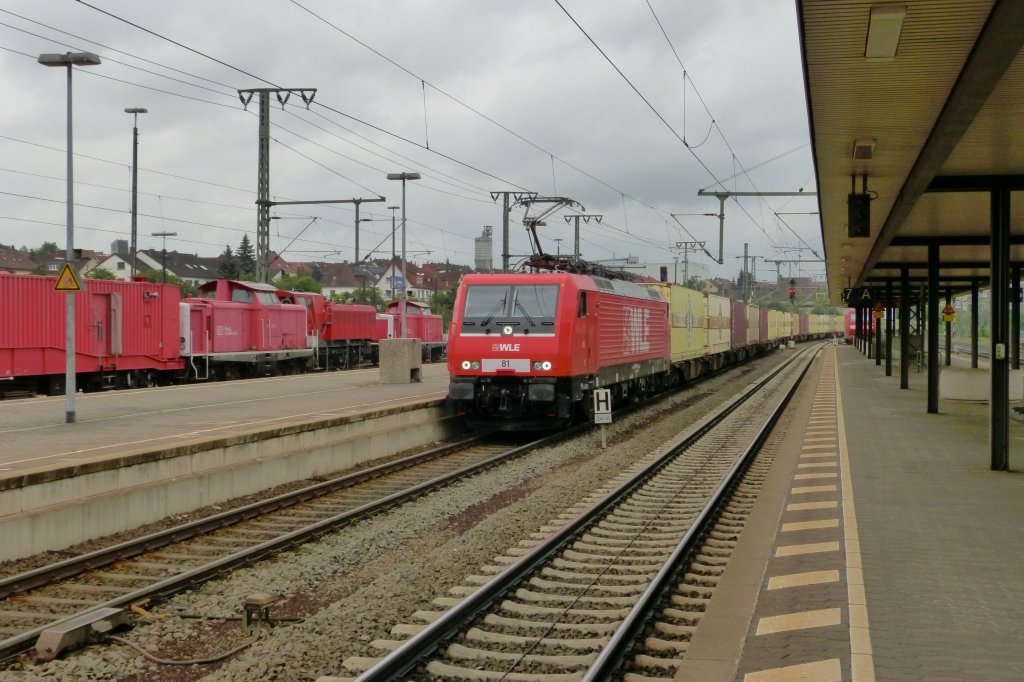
[[350, 322], [762, 327], [805, 325], [118, 326], [739, 324]]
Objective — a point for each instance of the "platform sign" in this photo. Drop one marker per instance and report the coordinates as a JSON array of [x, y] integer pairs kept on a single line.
[[602, 406], [66, 280], [397, 283]]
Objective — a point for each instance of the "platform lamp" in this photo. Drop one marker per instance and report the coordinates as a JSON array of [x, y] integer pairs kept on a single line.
[[164, 236], [135, 111], [67, 60], [403, 177]]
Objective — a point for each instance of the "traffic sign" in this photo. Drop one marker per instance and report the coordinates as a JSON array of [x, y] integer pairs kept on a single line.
[[602, 406], [66, 280], [948, 313]]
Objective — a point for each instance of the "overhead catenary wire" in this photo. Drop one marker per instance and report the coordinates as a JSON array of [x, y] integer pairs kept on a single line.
[[423, 84]]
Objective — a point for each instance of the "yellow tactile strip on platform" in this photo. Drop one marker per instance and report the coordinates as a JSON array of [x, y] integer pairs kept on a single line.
[[811, 532]]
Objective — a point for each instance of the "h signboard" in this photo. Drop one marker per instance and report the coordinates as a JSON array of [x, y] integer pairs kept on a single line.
[[602, 406]]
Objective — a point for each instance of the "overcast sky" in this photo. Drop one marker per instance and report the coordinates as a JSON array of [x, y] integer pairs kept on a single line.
[[476, 95]]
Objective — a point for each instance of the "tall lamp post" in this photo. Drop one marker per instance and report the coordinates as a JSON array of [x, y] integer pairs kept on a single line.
[[403, 177], [67, 60], [393, 209], [135, 111], [164, 236]]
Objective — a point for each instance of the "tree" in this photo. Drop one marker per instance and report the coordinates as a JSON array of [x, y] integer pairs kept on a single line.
[[694, 282], [100, 273], [246, 258], [188, 289], [303, 281], [367, 296], [227, 264], [443, 303], [45, 252]]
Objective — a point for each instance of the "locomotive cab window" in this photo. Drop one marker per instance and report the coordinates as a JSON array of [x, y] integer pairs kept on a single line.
[[521, 306], [241, 296]]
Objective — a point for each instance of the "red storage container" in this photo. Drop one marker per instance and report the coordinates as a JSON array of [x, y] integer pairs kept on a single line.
[[118, 326], [762, 327], [739, 324], [350, 321]]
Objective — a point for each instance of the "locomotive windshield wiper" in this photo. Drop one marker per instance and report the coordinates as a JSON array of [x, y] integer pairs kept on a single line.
[[522, 309], [500, 305]]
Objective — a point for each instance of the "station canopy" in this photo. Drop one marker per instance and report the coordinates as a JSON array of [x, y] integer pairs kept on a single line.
[[919, 105]]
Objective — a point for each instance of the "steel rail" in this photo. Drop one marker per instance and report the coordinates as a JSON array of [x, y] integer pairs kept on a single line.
[[613, 653], [108, 555], [173, 584], [413, 650]]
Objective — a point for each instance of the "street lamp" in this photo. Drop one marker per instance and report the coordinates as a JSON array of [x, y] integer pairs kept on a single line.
[[393, 209], [135, 111], [67, 60], [165, 235], [403, 177]]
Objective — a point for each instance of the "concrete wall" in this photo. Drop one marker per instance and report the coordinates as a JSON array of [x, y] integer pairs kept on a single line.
[[966, 383], [53, 509]]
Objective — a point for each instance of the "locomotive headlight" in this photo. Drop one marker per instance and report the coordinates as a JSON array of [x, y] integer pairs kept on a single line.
[[470, 364], [542, 365]]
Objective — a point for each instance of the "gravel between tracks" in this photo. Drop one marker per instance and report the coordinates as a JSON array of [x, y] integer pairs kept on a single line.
[[353, 585]]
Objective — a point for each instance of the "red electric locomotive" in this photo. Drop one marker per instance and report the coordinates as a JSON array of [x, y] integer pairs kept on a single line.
[[526, 351]]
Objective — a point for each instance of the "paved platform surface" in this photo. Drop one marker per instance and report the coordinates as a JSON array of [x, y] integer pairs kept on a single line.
[[885, 548], [34, 432]]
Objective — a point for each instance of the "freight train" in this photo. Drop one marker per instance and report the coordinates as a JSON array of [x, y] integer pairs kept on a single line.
[[136, 334], [526, 351]]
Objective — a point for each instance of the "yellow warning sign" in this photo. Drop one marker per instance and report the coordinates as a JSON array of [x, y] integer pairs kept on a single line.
[[66, 280]]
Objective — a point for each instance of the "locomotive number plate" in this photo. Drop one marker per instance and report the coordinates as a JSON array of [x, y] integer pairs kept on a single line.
[[514, 364]]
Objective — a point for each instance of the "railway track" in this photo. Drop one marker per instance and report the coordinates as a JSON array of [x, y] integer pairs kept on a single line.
[[54, 607], [573, 602]]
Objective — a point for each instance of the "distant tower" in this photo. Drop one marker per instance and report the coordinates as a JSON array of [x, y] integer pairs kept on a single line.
[[483, 251], [119, 246]]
